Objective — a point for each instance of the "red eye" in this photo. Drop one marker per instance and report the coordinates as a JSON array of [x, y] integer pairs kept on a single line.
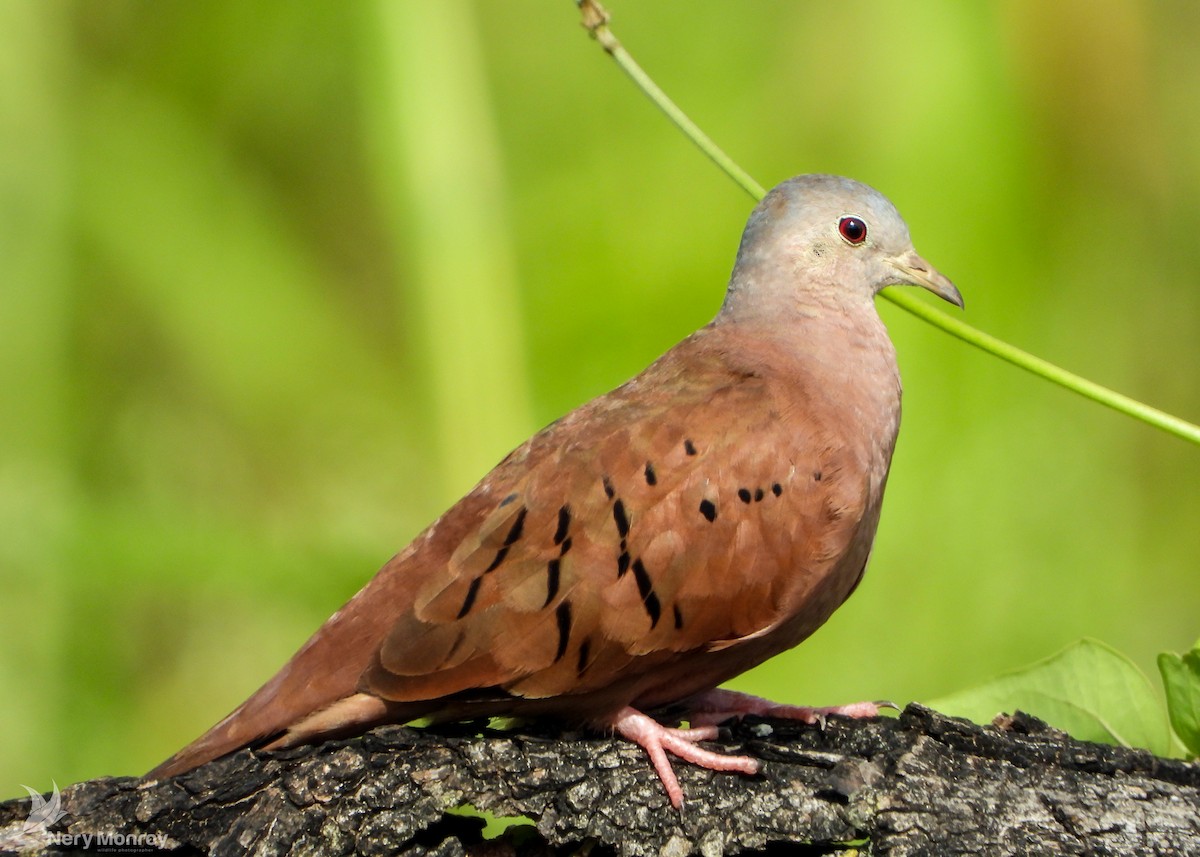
[[853, 229]]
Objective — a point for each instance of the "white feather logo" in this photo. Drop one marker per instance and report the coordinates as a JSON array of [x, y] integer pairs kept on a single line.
[[43, 813]]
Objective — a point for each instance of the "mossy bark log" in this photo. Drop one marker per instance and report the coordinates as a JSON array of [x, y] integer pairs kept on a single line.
[[917, 784]]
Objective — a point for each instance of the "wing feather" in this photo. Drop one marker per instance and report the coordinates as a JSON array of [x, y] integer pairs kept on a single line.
[[687, 518]]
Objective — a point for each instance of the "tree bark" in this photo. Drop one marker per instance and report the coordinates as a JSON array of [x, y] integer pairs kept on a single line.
[[917, 784]]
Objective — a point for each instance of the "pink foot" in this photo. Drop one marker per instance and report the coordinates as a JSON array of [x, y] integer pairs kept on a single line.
[[657, 739], [716, 706]]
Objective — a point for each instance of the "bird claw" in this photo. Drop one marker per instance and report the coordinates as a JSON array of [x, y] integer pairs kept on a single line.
[[657, 740], [707, 710]]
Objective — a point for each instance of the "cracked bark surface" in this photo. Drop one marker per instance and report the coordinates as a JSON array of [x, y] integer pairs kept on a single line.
[[917, 784]]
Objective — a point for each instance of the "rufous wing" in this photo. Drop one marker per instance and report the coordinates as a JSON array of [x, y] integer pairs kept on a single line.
[[644, 547], [697, 506]]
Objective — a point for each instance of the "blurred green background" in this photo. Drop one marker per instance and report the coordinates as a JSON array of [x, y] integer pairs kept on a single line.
[[278, 282]]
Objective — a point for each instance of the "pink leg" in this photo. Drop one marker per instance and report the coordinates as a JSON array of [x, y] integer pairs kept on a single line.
[[716, 706], [657, 739]]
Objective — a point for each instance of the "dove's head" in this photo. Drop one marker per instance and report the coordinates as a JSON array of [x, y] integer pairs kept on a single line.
[[825, 241]]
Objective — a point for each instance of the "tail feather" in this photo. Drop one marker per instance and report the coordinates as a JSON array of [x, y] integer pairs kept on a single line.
[[347, 716]]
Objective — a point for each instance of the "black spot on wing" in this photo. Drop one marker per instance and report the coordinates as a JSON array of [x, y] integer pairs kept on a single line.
[[653, 608], [644, 584], [646, 590], [744, 495], [585, 652], [563, 615], [469, 601], [709, 510], [553, 573], [689, 447], [514, 535], [499, 558], [564, 524], [651, 476], [622, 519], [517, 528]]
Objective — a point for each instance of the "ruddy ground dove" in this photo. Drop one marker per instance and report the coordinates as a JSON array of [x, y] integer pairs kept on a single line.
[[655, 542]]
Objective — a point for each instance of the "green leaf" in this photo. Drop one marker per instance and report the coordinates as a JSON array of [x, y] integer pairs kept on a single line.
[[1181, 678], [1088, 690], [494, 824]]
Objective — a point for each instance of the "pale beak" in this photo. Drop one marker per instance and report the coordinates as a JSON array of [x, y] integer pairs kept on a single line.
[[915, 271]]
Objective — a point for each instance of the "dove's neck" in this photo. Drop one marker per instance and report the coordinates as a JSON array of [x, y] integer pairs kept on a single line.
[[842, 346], [812, 313], [824, 340]]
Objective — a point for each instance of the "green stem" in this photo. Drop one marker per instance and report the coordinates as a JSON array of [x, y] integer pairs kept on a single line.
[[595, 20], [1089, 389]]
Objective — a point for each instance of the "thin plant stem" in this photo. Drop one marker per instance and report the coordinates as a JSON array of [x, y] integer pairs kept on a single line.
[[1044, 368], [595, 20]]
